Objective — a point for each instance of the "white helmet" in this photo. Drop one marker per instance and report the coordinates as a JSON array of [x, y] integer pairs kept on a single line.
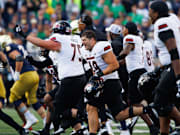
[[75, 27], [5, 40]]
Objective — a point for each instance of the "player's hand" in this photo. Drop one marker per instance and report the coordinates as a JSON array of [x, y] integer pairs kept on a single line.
[[16, 76], [178, 87], [97, 75], [29, 58], [18, 29], [4, 63]]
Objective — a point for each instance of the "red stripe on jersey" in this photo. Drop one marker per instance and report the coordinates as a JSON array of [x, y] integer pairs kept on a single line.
[[53, 39], [163, 26], [107, 47], [50, 66], [90, 58], [129, 39]]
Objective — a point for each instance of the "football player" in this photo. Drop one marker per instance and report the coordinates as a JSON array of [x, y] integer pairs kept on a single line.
[[104, 63], [26, 80], [147, 53], [166, 36], [4, 117], [133, 54], [70, 71]]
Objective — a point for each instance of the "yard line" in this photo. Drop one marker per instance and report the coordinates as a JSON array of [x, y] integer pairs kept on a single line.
[[134, 131]]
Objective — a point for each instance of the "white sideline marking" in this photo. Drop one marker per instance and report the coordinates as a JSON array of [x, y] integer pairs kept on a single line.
[[134, 131]]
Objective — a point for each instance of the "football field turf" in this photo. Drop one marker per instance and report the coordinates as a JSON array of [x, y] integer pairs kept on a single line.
[[140, 128]]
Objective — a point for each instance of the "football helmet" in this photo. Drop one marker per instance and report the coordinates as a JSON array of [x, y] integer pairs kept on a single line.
[[62, 27], [146, 85], [5, 40], [93, 89], [44, 52], [75, 27]]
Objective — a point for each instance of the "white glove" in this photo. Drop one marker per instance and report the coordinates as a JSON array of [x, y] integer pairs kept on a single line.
[[16, 76]]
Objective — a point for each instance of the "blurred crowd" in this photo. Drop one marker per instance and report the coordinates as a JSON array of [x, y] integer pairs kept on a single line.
[[38, 16]]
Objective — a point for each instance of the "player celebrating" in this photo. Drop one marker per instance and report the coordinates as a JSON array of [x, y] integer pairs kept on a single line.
[[166, 36], [70, 71], [103, 63], [133, 54]]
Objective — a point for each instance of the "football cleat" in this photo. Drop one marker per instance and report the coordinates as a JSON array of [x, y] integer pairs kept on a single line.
[[31, 122], [153, 130], [23, 132], [59, 131]]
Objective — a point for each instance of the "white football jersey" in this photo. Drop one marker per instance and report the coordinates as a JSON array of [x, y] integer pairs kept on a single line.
[[68, 58], [163, 24], [148, 56], [94, 58], [134, 60]]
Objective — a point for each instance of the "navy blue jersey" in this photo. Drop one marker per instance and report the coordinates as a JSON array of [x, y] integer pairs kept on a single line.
[[12, 47]]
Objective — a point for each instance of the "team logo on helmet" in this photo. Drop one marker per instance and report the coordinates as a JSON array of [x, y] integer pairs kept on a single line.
[[62, 27]]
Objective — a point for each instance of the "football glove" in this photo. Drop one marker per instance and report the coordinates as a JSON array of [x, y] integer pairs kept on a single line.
[[16, 76], [97, 75], [18, 29]]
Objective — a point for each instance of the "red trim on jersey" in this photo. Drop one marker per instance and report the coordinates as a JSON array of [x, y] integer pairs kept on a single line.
[[50, 66], [53, 39], [90, 58], [107, 47], [129, 39], [163, 26]]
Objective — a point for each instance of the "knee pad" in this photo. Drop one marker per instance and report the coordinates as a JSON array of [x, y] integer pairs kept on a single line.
[[36, 106], [23, 109], [17, 102], [131, 113], [164, 110]]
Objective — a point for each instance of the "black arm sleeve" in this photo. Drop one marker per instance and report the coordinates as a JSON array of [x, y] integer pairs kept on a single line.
[[165, 35], [42, 64]]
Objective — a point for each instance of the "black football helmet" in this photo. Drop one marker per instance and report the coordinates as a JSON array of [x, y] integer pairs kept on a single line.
[[44, 52], [62, 27], [93, 89], [146, 85]]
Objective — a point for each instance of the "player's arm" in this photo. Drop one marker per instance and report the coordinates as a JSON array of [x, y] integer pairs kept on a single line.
[[39, 64], [169, 40], [3, 58], [126, 51], [49, 84], [47, 44], [15, 55], [112, 62]]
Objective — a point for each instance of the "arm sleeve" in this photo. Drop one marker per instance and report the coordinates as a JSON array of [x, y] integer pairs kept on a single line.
[[42, 64], [165, 35]]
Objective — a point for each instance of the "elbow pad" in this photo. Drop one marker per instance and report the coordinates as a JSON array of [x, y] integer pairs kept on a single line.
[[19, 58]]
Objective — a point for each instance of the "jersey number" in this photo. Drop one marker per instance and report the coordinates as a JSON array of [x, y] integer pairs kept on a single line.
[[148, 56], [21, 48], [74, 50]]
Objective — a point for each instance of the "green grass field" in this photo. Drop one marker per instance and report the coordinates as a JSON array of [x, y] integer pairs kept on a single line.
[[140, 128]]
